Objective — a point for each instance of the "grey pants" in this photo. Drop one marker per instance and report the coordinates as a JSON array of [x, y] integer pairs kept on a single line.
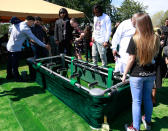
[[99, 48]]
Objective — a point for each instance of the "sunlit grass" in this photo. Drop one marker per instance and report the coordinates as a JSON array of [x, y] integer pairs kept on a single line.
[[26, 106]]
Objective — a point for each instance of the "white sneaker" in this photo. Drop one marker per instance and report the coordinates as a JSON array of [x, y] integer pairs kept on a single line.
[[146, 125], [95, 129], [130, 128]]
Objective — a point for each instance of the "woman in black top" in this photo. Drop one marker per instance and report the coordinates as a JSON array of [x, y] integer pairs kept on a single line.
[[142, 50]]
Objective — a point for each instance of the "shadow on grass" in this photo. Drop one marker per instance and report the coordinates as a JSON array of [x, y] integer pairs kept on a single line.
[[20, 93], [27, 80], [160, 124], [162, 95], [22, 62], [2, 81], [125, 117]]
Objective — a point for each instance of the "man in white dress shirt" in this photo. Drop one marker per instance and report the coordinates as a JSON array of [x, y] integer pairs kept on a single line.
[[122, 38]]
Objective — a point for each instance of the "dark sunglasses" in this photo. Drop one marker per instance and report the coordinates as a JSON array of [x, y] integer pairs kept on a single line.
[[62, 13]]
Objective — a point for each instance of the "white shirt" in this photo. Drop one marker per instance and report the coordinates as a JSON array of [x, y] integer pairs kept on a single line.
[[122, 38], [19, 33], [102, 28]]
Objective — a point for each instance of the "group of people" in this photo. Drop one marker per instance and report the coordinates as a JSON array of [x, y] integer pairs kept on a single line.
[[20, 32], [140, 54], [135, 47], [68, 30], [137, 50], [65, 32]]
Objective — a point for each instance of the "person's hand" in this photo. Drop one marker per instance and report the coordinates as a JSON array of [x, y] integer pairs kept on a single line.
[[57, 42], [105, 44], [93, 40], [48, 47], [162, 42], [82, 35], [32, 41], [123, 78], [45, 28], [77, 39], [114, 53], [166, 60]]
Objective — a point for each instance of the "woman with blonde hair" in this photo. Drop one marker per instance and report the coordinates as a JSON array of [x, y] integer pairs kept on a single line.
[[143, 49]]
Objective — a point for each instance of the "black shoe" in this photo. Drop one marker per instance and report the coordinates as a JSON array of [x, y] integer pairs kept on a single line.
[[155, 104], [9, 77], [19, 79]]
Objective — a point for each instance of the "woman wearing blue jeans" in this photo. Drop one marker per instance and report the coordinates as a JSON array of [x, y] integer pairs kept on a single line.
[[143, 49]]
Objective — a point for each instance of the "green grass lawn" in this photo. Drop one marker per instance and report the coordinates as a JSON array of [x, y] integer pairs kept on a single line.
[[26, 106]]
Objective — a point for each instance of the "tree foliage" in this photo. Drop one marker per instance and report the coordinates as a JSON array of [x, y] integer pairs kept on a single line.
[[130, 7], [165, 16], [126, 10], [3, 29], [115, 17], [157, 18], [85, 6]]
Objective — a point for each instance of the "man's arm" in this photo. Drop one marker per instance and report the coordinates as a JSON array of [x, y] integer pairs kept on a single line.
[[108, 29], [128, 66], [116, 38], [34, 38], [93, 34]]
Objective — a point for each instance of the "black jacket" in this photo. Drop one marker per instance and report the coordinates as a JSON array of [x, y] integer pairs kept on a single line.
[[38, 31], [164, 30]]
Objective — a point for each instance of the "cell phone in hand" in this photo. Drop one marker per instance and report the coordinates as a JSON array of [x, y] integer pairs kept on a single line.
[[117, 55]]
